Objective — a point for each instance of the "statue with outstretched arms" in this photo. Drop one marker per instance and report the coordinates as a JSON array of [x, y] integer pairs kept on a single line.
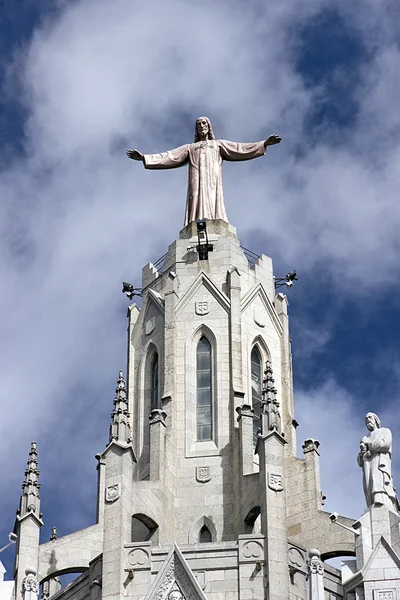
[[205, 198]]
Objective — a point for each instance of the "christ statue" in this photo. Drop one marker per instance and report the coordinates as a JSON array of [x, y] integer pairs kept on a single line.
[[205, 197]]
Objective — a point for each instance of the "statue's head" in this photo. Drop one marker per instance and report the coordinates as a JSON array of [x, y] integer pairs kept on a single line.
[[372, 421], [203, 125], [175, 595]]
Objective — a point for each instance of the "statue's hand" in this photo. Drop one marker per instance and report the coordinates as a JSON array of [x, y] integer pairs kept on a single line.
[[135, 155], [272, 140]]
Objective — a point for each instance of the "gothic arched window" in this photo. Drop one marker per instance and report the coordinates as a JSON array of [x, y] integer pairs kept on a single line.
[[154, 382], [256, 380], [204, 390], [205, 536]]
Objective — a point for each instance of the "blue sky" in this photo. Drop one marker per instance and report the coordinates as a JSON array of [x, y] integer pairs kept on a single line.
[[81, 81]]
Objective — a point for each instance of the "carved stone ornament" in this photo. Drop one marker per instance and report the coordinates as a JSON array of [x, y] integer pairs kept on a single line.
[[252, 551], [203, 474], [150, 325], [385, 594], [296, 558], [165, 587], [259, 317], [315, 565], [30, 584], [176, 594], [138, 558], [275, 482], [113, 492], [202, 307]]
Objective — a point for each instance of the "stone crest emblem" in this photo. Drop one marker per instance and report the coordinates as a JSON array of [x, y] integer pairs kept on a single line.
[[202, 307], [203, 474], [385, 594], [275, 482], [150, 325], [113, 492]]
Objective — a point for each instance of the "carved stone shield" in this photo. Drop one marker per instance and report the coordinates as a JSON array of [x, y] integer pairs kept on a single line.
[[203, 474], [275, 482]]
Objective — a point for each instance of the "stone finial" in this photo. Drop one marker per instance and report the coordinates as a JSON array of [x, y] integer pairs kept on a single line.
[[315, 564], [310, 445], [271, 417], [315, 575], [30, 585], [53, 534], [30, 498], [120, 428]]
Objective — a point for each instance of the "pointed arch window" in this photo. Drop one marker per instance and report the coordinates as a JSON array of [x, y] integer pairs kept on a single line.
[[204, 390], [154, 382], [256, 381], [205, 536]]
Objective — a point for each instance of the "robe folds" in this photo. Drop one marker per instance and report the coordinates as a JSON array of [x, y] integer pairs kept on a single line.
[[377, 472], [205, 196]]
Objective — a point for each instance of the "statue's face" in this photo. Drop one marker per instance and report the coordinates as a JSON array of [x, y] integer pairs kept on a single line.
[[370, 422], [202, 129], [175, 595]]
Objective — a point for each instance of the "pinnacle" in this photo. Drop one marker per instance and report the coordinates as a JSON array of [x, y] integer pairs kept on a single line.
[[30, 499], [121, 380], [120, 426]]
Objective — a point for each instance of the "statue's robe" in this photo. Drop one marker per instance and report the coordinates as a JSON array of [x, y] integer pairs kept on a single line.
[[205, 196], [377, 471]]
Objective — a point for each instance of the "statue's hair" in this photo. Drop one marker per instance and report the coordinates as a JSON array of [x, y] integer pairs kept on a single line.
[[377, 419], [211, 135]]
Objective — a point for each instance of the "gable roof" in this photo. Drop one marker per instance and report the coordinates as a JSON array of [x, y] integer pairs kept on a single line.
[[175, 574]]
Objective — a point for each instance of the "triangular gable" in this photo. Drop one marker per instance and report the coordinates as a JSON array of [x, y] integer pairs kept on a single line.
[[381, 550], [259, 291], [203, 279], [155, 299], [175, 574]]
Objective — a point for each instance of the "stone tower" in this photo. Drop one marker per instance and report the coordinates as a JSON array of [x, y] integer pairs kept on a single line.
[[200, 492]]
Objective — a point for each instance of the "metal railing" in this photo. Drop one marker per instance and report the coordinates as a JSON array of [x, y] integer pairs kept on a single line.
[[251, 256], [159, 264]]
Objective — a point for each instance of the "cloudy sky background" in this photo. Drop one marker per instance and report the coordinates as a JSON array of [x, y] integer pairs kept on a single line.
[[81, 82]]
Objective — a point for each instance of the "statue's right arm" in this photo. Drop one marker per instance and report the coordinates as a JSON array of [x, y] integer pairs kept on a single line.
[[167, 160], [135, 155]]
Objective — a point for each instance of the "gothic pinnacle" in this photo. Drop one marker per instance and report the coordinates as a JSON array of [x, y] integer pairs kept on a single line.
[[271, 418], [30, 498], [120, 426]]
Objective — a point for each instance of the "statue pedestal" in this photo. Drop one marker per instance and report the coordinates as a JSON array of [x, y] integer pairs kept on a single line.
[[214, 227], [376, 575]]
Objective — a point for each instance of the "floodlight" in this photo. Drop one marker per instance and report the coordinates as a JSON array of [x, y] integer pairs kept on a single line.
[[130, 291]]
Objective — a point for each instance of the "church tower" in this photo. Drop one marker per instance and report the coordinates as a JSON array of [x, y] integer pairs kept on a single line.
[[200, 492]]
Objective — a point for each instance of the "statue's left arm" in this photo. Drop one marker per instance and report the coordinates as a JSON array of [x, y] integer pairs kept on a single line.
[[246, 151]]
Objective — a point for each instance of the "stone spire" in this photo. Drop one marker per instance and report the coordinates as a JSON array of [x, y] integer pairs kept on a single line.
[[271, 417], [120, 429], [30, 498]]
